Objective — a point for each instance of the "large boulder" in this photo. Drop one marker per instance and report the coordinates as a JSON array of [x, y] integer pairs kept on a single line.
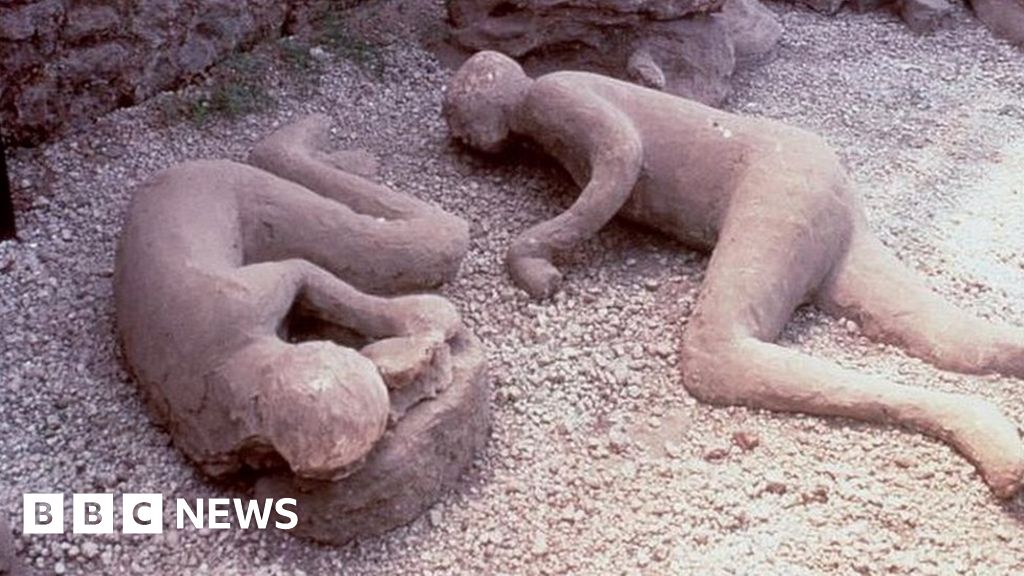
[[824, 6], [753, 29], [1004, 17], [687, 47], [925, 16]]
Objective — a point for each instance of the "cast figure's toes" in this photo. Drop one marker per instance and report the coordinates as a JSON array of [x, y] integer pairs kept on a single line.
[[414, 368], [991, 441], [306, 135]]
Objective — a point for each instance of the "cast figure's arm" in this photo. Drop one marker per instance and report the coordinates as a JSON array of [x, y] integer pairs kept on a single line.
[[606, 140]]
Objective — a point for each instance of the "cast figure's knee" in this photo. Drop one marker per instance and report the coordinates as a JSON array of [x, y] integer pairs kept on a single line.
[[704, 362], [452, 242], [303, 136], [437, 242]]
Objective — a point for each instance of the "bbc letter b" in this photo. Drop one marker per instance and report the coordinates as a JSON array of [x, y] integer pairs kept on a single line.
[[43, 514]]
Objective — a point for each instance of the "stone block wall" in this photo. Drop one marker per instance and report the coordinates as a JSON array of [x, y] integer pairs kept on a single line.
[[63, 62]]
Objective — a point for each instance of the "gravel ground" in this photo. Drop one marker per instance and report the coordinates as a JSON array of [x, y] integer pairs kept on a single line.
[[599, 463]]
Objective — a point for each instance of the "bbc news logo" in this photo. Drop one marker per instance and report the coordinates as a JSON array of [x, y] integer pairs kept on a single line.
[[144, 513]]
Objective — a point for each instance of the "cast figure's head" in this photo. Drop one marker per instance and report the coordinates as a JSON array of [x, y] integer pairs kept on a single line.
[[321, 406], [482, 98]]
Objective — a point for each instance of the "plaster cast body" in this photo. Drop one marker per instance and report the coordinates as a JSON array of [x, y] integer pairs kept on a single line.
[[785, 228], [216, 256]]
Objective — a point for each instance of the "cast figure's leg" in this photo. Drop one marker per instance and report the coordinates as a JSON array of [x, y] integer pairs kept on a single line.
[[406, 244], [764, 267], [892, 304]]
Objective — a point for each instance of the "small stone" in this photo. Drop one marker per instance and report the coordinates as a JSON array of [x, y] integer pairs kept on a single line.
[[716, 453], [903, 461], [621, 373], [663, 350], [775, 486], [618, 440], [672, 449], [540, 545], [105, 480], [818, 495], [643, 70], [643, 558], [745, 440], [435, 517], [319, 53], [1003, 533]]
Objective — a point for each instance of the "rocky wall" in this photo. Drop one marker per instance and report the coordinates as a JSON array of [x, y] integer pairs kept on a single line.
[[63, 62]]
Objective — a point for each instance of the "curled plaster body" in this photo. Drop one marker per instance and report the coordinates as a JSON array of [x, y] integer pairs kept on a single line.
[[785, 228], [223, 266]]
